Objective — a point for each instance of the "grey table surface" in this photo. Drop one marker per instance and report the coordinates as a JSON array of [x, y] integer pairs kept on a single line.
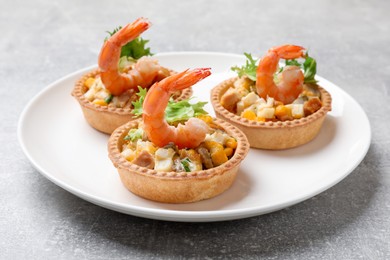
[[42, 41]]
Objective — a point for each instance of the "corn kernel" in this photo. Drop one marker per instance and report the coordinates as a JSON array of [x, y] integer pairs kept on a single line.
[[283, 113], [228, 151], [260, 119], [248, 114], [217, 152], [206, 118], [211, 144], [218, 157], [88, 83], [231, 143]]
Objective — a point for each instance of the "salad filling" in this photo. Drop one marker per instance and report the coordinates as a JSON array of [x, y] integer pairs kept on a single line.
[[133, 66], [217, 148], [243, 99]]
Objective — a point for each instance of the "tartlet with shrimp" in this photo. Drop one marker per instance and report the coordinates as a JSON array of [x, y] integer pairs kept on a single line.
[[106, 95], [276, 107], [177, 153]]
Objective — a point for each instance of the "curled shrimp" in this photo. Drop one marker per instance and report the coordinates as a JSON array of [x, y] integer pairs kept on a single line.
[[290, 80], [145, 72], [159, 132]]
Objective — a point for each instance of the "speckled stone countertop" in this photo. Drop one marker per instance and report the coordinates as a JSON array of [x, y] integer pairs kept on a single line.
[[42, 41]]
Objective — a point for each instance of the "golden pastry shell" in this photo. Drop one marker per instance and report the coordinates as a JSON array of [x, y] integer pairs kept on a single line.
[[273, 135], [177, 187], [104, 118]]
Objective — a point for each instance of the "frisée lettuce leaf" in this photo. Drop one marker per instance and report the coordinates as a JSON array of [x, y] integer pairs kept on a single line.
[[309, 67], [134, 49], [176, 111]]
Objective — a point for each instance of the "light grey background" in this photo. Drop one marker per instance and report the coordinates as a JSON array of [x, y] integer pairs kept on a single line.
[[42, 41]]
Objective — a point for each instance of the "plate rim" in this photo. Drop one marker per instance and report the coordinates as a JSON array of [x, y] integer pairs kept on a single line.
[[178, 215]]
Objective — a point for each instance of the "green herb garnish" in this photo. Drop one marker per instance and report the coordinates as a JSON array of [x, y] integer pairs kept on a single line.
[[186, 164], [249, 69], [134, 134], [309, 67], [138, 104], [175, 111], [134, 49], [108, 99], [293, 63], [183, 110], [125, 62]]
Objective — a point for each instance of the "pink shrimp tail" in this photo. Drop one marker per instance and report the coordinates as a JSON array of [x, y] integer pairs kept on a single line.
[[268, 66], [184, 79], [288, 52], [158, 130], [110, 54]]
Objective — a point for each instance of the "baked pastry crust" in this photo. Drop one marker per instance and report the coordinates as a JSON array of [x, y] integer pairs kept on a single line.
[[273, 135], [104, 118], [177, 187]]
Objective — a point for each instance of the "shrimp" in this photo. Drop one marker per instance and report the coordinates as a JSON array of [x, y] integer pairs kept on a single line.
[[145, 72], [290, 80], [159, 132]]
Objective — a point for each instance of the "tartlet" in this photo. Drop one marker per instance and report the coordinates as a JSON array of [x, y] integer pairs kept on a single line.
[[177, 187], [273, 135], [106, 118], [106, 95]]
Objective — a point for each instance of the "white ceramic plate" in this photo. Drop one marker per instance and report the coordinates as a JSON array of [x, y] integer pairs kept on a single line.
[[66, 150]]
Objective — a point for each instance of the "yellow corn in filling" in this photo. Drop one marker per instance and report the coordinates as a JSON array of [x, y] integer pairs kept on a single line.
[[241, 99], [217, 148]]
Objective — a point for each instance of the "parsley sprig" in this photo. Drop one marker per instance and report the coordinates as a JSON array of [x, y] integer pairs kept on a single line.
[[176, 111], [186, 164]]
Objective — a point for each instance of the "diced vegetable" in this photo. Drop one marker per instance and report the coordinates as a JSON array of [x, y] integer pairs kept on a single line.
[[248, 114], [195, 162], [217, 153], [163, 159], [88, 83], [266, 112], [128, 154], [250, 99], [228, 151], [145, 145], [231, 143], [297, 111], [99, 102], [206, 118], [283, 113], [218, 156]]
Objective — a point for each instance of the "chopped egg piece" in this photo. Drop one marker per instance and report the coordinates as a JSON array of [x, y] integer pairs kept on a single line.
[[266, 112], [145, 145], [250, 99], [163, 159], [128, 154]]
